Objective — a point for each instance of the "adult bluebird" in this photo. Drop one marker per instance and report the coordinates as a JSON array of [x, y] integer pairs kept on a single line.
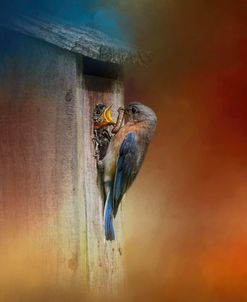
[[124, 158]]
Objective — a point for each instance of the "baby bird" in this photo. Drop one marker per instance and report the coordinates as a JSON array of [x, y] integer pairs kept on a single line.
[[124, 158]]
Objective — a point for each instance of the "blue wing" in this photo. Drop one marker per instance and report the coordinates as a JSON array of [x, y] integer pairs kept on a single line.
[[126, 170]]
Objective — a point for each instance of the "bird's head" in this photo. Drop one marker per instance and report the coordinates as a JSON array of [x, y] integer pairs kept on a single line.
[[137, 112]]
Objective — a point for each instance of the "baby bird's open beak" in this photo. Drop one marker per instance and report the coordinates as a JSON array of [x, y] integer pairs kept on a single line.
[[107, 116], [105, 119]]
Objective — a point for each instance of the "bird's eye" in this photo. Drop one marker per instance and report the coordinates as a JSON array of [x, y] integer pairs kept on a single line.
[[101, 106], [134, 110], [98, 111]]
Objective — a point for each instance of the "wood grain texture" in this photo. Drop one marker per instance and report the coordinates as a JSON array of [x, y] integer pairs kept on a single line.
[[82, 40], [42, 206], [51, 211], [104, 257]]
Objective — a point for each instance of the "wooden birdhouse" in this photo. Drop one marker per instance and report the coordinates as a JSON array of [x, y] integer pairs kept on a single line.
[[51, 78]]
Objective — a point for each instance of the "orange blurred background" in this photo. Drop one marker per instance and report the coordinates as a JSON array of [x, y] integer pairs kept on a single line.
[[187, 225], [186, 213]]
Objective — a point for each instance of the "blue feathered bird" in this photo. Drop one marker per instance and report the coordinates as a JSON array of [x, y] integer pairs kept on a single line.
[[124, 157]]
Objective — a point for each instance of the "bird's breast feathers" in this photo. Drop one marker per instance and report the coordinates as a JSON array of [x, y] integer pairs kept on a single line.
[[111, 157], [140, 129]]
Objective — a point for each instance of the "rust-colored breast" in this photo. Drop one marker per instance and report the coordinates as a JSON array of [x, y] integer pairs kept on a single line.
[[128, 128]]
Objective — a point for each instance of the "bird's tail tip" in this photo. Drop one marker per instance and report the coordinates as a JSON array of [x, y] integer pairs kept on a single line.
[[109, 230]]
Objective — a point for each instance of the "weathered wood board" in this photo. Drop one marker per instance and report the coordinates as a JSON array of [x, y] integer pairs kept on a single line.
[[104, 257], [81, 40], [41, 197], [51, 224]]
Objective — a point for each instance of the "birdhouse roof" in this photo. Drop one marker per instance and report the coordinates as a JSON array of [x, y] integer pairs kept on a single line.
[[82, 40]]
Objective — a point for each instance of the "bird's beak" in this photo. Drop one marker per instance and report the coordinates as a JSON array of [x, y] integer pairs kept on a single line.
[[126, 111], [106, 116]]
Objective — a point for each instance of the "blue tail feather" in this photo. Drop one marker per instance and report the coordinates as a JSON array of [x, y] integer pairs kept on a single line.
[[109, 230]]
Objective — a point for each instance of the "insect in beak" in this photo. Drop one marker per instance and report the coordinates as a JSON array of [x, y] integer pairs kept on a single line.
[[126, 111]]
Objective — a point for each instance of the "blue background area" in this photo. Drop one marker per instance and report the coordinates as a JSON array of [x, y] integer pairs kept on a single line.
[[93, 13]]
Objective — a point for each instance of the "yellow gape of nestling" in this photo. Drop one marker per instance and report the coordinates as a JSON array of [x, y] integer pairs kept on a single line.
[[107, 118], [104, 119]]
